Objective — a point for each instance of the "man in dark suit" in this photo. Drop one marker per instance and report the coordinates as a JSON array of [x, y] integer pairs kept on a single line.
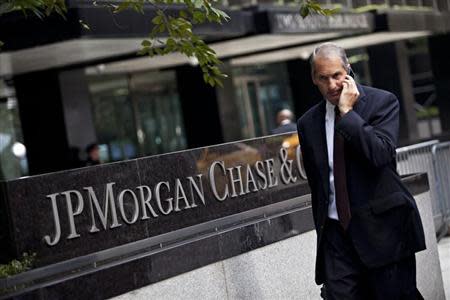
[[368, 226]]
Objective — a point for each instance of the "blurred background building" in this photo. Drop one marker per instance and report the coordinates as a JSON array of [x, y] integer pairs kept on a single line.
[[63, 87]]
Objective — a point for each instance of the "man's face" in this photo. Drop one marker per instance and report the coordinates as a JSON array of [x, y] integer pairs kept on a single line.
[[328, 77]]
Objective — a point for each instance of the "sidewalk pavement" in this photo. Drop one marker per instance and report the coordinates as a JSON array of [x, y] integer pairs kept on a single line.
[[444, 257]]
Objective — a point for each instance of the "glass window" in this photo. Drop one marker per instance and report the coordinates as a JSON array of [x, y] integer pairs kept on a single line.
[[359, 60], [136, 115], [427, 111], [261, 91], [160, 122], [113, 117], [13, 161]]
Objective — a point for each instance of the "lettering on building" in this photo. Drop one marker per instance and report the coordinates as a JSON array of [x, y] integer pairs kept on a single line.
[[119, 207], [293, 22]]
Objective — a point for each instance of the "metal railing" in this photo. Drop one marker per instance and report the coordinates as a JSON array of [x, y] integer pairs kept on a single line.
[[433, 158], [441, 165]]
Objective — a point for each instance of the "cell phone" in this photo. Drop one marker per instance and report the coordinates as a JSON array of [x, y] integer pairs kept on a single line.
[[351, 73]]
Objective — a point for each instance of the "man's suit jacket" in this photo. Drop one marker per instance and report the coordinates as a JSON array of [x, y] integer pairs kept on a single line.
[[385, 225]]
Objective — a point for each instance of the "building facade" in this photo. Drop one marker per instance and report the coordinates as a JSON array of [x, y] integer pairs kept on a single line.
[[63, 87]]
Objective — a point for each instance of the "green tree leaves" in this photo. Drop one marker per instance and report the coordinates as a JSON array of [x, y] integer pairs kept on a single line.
[[40, 8], [177, 27], [311, 6]]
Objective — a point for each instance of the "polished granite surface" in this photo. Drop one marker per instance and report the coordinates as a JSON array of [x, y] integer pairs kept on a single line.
[[77, 212]]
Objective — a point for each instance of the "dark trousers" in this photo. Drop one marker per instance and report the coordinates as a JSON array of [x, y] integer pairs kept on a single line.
[[348, 278]]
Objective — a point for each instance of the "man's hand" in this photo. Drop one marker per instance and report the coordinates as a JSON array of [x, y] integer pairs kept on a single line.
[[349, 95]]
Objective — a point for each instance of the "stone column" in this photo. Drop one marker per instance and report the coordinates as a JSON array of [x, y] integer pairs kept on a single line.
[[438, 47], [200, 109], [77, 109], [228, 108], [42, 118], [304, 93]]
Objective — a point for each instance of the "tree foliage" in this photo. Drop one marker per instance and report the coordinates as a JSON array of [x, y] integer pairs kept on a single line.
[[40, 8], [177, 28], [311, 6], [180, 36]]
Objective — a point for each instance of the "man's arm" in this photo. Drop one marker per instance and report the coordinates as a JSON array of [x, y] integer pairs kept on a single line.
[[375, 141]]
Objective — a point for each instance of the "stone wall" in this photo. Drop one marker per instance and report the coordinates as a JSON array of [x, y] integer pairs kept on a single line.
[[283, 270]]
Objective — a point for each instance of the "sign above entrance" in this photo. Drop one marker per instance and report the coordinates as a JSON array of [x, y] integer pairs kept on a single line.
[[292, 22]]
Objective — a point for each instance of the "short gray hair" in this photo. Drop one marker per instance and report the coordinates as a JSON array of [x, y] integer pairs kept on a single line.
[[329, 50]]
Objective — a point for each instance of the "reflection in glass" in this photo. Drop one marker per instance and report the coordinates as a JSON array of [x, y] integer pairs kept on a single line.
[[427, 110], [359, 60], [13, 161], [113, 116], [137, 115], [261, 91], [158, 111]]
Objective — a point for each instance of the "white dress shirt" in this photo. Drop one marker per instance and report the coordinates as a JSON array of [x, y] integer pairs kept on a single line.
[[329, 129]]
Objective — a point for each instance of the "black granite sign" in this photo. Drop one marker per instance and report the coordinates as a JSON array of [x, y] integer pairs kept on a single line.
[[293, 22], [68, 214]]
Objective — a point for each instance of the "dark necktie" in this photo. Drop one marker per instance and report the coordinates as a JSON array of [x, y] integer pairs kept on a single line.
[[340, 179]]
